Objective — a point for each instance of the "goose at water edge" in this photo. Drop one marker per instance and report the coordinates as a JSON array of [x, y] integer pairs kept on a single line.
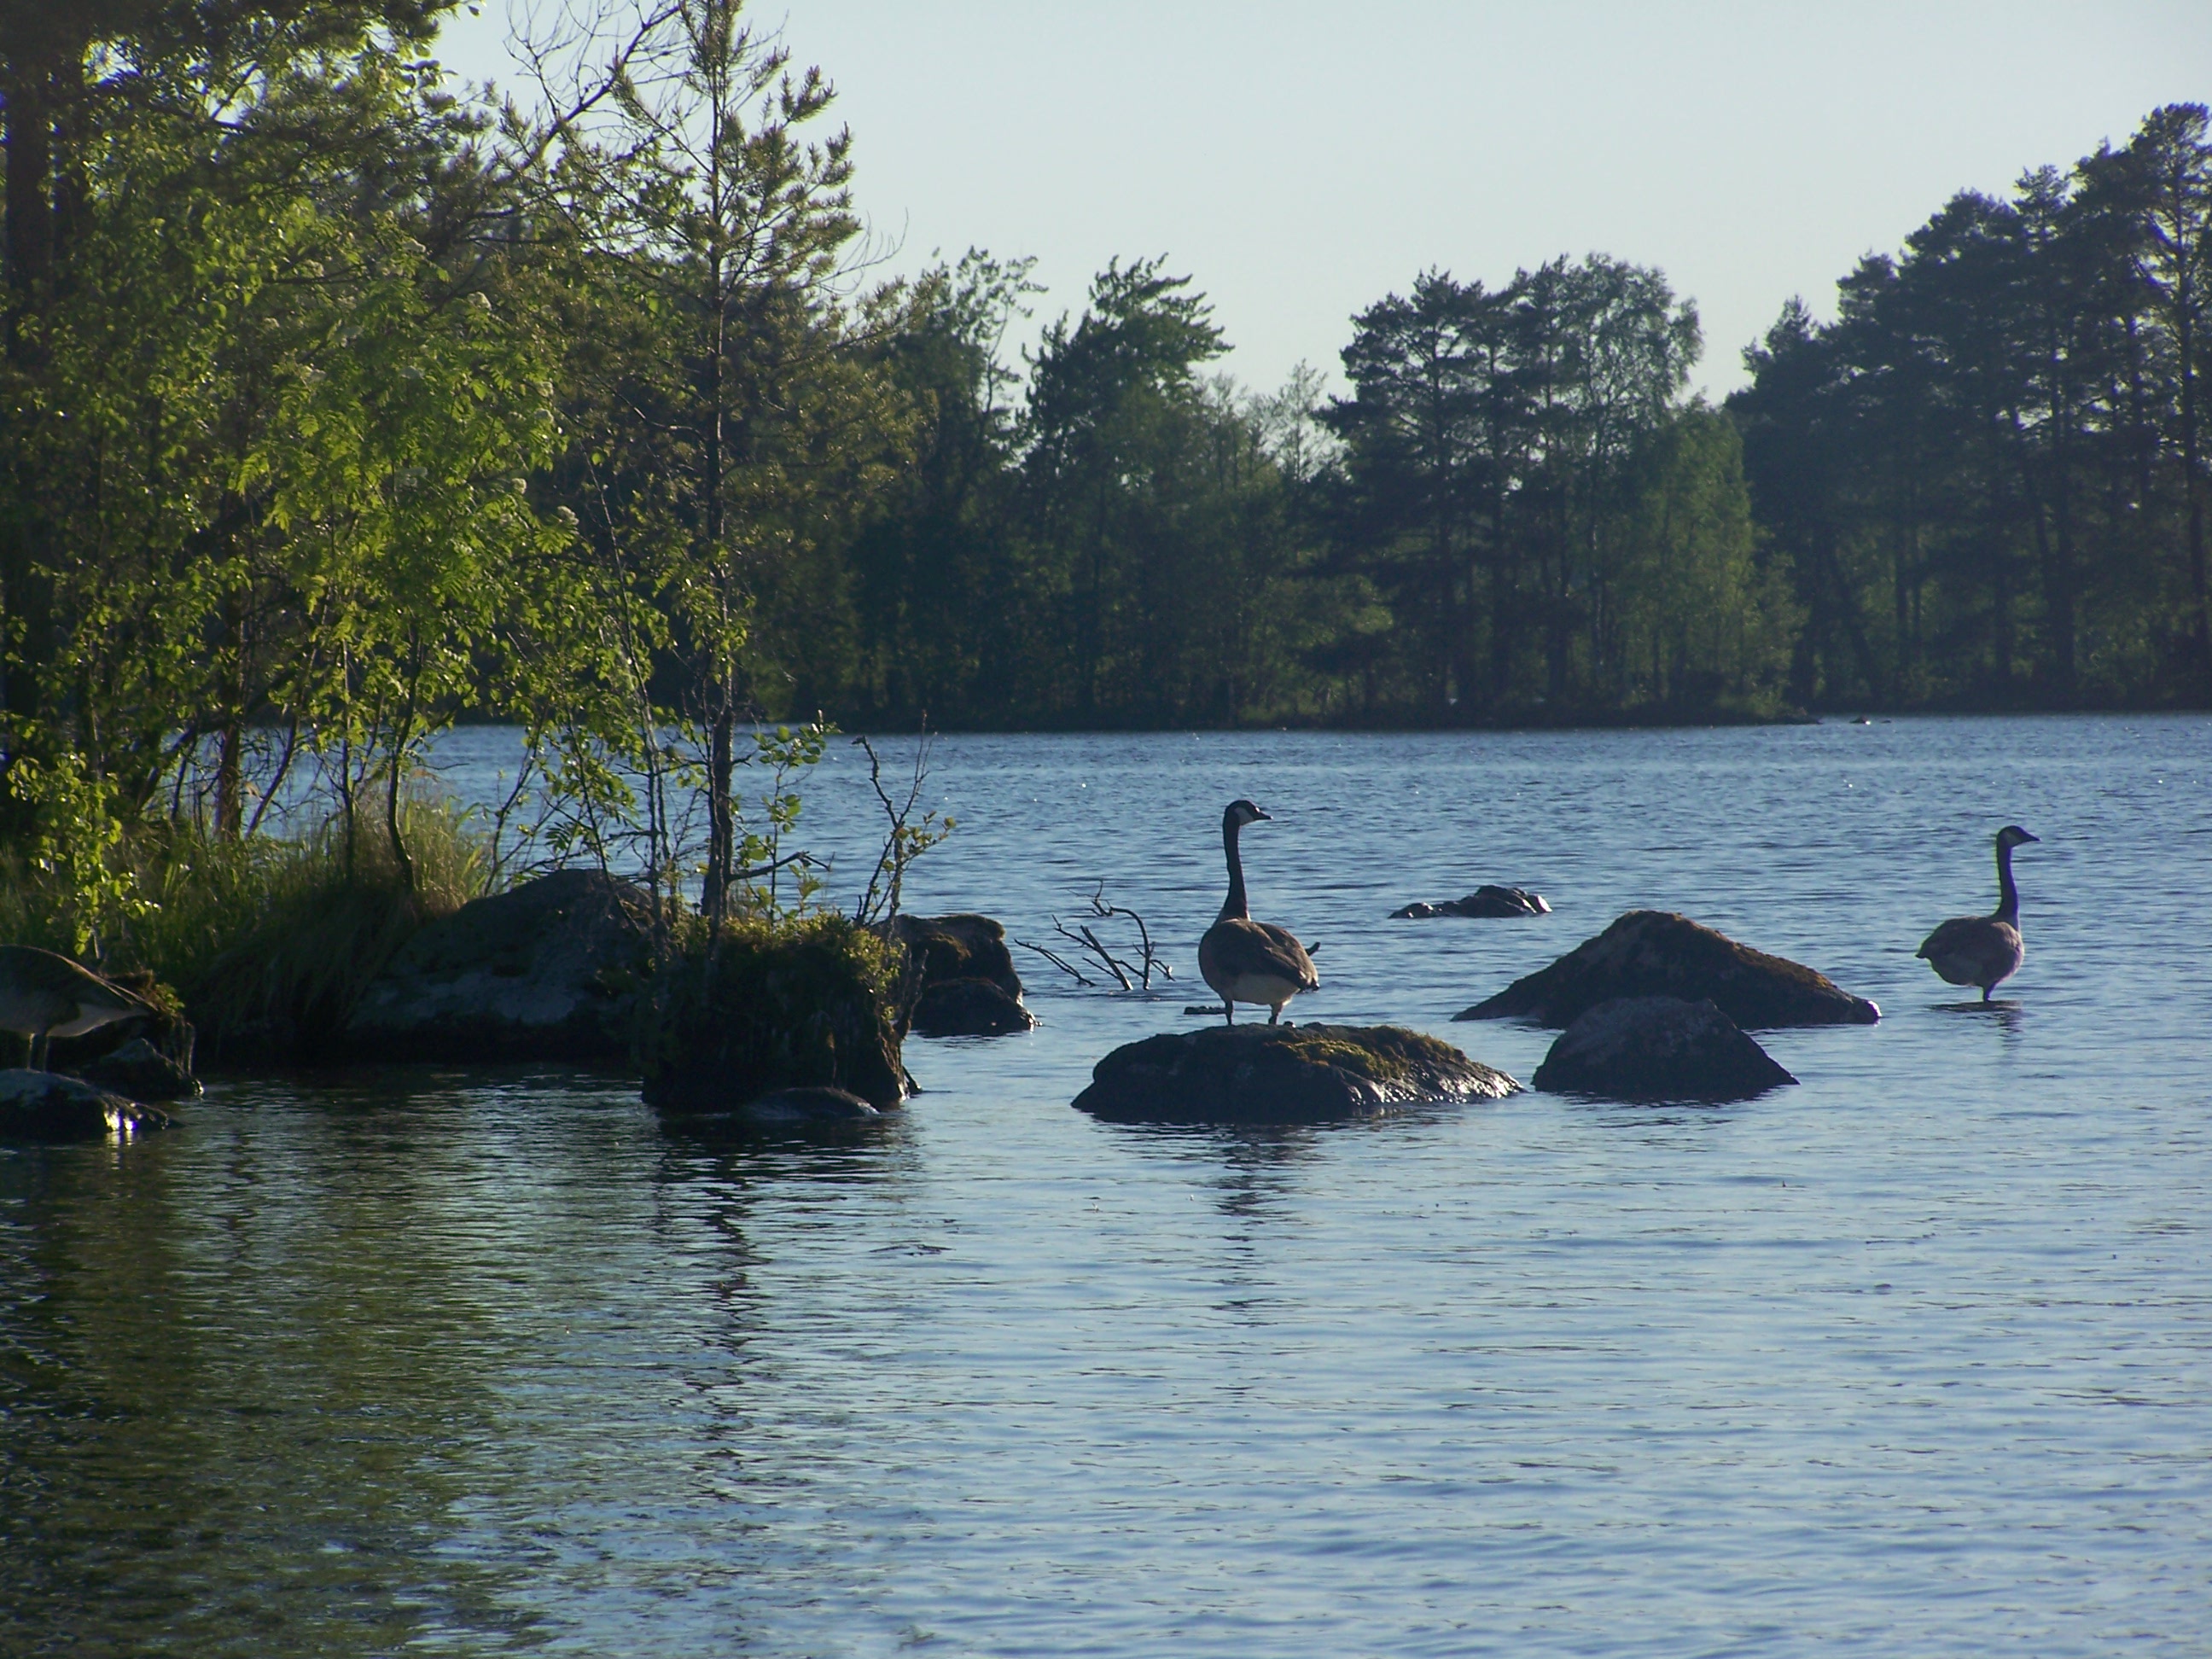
[[43, 995], [1244, 960], [1983, 949]]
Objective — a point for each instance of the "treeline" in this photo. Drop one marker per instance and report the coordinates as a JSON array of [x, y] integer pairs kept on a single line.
[[1986, 479], [335, 407]]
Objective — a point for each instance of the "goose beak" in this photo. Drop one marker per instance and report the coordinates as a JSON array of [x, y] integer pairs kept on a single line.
[[1267, 818]]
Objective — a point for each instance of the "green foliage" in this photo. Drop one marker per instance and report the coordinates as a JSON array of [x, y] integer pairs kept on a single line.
[[758, 1005], [1986, 477]]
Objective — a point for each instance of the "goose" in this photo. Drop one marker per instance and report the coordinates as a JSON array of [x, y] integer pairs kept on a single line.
[[43, 995], [1244, 960], [1983, 949]]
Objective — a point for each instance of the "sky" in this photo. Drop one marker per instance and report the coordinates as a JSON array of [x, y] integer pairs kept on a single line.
[[1301, 161]]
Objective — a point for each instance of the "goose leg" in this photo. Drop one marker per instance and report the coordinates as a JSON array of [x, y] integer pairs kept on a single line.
[[1986, 989], [39, 1051], [1274, 1012], [1228, 1010]]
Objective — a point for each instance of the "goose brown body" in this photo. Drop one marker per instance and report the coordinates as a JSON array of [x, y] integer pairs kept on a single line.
[[43, 995], [1248, 961], [1983, 951]]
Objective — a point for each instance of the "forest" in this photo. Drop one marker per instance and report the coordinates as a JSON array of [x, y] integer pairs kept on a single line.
[[338, 406]]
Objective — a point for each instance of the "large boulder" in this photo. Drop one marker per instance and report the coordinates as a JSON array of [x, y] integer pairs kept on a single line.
[[548, 970], [966, 982], [757, 1007], [45, 1106], [1658, 1048], [1484, 901], [1656, 953], [1282, 1074]]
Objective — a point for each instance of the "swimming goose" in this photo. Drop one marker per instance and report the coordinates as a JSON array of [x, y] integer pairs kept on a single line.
[[1244, 960], [43, 995], [1983, 949]]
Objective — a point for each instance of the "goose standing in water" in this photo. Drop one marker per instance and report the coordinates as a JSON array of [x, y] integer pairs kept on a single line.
[[1983, 949], [43, 995], [1244, 960]]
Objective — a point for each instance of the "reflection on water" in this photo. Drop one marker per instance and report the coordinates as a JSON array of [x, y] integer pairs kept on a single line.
[[1908, 1358]]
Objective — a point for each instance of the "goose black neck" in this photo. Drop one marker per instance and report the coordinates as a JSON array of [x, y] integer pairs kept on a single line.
[[1234, 906], [2008, 895]]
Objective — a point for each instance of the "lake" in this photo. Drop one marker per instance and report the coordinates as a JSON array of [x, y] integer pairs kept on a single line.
[[1915, 1358]]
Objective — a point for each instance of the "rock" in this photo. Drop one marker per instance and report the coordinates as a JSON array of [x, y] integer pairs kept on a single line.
[[807, 1107], [967, 1007], [548, 970], [763, 1008], [1282, 1074], [162, 1027], [1658, 1048], [1656, 953], [964, 983], [1484, 901], [47, 1106], [141, 1071], [957, 947]]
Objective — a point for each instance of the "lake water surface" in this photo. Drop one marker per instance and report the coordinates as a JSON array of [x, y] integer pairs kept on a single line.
[[1913, 1358]]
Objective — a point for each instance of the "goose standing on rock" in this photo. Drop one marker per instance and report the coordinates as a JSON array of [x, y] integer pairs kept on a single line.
[[43, 995], [1983, 949], [1244, 960]]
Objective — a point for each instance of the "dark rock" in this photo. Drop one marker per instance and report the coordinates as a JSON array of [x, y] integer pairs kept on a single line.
[[947, 948], [1282, 1074], [762, 1008], [163, 1027], [807, 1107], [967, 1007], [47, 1106], [1656, 953], [1658, 1048], [550, 970], [142, 1072], [960, 976], [1484, 901]]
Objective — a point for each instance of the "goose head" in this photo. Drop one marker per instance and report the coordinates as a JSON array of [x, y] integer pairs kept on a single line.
[[2012, 835], [1240, 813]]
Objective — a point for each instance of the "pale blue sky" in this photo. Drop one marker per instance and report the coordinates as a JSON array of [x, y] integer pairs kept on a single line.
[[1301, 159]]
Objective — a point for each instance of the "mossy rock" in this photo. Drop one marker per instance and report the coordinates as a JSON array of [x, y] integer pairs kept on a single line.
[[1283, 1074], [1657, 953], [757, 1006]]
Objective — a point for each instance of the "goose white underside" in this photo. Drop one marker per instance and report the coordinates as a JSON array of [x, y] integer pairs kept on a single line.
[[1261, 990]]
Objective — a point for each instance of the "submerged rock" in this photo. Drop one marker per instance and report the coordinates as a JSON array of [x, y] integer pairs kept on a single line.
[[967, 985], [1484, 901], [550, 970], [141, 1071], [1282, 1074], [1656, 953], [47, 1106], [1658, 1048], [807, 1107]]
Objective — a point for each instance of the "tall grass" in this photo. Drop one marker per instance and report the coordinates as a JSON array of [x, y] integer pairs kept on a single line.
[[267, 941]]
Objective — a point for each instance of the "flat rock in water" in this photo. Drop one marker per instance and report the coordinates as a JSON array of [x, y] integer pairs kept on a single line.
[[47, 1106], [1658, 1048], [550, 970], [1484, 901], [1656, 953], [139, 1071], [967, 1007], [1283, 1074]]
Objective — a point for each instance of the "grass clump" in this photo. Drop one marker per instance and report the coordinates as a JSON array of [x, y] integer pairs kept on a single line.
[[759, 1005], [265, 941]]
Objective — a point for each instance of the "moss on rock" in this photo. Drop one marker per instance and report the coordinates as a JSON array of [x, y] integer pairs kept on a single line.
[[757, 1006]]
